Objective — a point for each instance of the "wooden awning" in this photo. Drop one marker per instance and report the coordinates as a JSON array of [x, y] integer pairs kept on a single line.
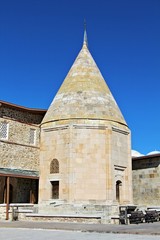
[[19, 173], [15, 173]]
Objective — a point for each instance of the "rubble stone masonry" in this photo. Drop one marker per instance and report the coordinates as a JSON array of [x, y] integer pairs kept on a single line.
[[17, 151]]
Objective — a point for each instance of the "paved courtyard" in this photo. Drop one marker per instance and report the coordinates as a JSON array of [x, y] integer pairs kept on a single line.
[[47, 234], [26, 230], [142, 229]]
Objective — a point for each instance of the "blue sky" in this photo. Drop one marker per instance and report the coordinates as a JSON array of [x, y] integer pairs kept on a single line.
[[39, 40]]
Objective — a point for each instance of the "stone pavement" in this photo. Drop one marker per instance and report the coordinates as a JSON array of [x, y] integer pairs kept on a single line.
[[48, 234], [141, 229]]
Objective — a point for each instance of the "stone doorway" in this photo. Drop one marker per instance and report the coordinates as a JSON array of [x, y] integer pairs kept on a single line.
[[118, 190], [55, 190]]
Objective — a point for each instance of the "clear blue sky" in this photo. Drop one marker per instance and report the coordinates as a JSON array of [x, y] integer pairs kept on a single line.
[[39, 40]]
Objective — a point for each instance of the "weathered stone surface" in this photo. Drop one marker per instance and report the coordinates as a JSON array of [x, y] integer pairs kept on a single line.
[[16, 151], [146, 180], [20, 115], [84, 94]]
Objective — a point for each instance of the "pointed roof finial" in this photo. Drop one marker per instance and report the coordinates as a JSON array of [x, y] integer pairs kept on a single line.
[[85, 41]]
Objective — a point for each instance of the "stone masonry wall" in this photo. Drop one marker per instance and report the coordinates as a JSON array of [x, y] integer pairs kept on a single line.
[[19, 156], [20, 115], [122, 164], [146, 183], [17, 150], [86, 165]]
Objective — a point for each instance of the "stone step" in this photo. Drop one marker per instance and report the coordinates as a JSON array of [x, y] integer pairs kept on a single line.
[[64, 218]]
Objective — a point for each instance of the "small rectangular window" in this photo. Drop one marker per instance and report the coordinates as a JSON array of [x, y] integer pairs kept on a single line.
[[3, 130], [32, 136], [55, 189]]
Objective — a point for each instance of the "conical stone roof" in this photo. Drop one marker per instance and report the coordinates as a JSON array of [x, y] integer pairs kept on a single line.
[[84, 94]]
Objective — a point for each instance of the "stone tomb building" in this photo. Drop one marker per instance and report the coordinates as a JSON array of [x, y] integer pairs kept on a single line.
[[79, 149], [85, 134]]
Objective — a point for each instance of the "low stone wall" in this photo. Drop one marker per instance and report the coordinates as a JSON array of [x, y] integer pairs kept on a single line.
[[89, 213], [29, 212], [3, 212], [16, 211]]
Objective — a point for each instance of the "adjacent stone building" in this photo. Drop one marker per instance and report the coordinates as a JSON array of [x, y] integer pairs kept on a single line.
[[19, 152], [146, 179]]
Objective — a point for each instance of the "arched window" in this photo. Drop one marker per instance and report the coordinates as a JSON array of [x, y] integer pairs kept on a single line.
[[54, 166]]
